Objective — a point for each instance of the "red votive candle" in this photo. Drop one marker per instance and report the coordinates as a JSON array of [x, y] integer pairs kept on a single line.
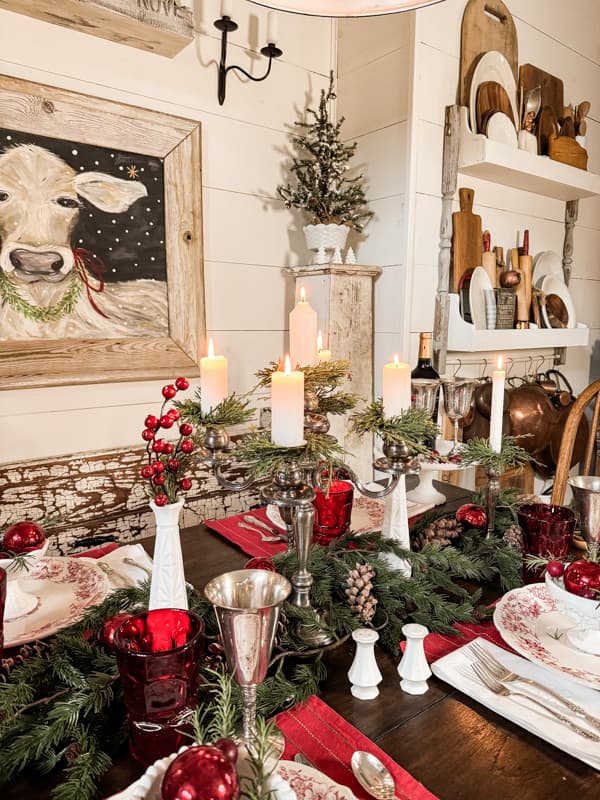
[[158, 657], [333, 510], [548, 532]]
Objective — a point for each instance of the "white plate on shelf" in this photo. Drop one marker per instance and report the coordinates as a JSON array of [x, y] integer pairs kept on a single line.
[[530, 622], [500, 129], [480, 282], [492, 66], [552, 284], [65, 588], [546, 263]]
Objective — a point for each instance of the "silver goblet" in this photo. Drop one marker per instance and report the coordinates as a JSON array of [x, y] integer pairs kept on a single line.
[[247, 603], [458, 394], [425, 393], [586, 494]]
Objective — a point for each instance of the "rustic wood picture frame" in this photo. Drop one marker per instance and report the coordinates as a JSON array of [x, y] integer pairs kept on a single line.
[[57, 113]]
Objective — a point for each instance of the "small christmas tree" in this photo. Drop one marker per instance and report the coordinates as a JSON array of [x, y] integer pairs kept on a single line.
[[323, 190]]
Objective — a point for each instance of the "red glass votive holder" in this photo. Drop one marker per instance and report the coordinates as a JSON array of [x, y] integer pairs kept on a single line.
[[158, 657], [333, 510], [548, 533]]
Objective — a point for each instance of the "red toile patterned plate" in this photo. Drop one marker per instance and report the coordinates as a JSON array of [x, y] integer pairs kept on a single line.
[[64, 588], [530, 622]]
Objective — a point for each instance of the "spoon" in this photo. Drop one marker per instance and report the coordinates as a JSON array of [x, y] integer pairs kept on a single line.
[[373, 776]]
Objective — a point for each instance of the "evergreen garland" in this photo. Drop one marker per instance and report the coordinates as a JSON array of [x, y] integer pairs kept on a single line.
[[233, 410], [9, 294], [412, 427], [257, 452], [323, 190]]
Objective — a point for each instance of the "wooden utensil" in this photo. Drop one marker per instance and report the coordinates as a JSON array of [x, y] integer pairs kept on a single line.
[[486, 25], [551, 87], [547, 126], [491, 97], [466, 237], [568, 151]]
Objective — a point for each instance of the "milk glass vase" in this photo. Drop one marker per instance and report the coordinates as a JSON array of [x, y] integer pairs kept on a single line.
[[167, 588]]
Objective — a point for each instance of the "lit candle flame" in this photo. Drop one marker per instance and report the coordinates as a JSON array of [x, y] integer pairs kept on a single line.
[[211, 348], [396, 360], [287, 369], [302, 295], [499, 362], [319, 342]]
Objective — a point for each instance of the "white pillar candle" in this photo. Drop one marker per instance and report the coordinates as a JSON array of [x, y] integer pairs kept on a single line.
[[497, 411], [303, 333], [213, 379], [396, 388], [322, 354], [287, 407], [272, 27], [226, 8]]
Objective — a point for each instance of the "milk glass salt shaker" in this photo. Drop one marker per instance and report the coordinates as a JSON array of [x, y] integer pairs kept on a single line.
[[413, 668], [364, 674]]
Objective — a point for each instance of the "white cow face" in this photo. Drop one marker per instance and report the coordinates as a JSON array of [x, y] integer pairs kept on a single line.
[[39, 206]]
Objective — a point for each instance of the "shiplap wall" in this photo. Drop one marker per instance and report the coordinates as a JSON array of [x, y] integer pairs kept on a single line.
[[248, 238], [563, 39], [374, 88]]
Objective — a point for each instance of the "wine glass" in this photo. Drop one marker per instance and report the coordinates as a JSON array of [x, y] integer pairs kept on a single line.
[[458, 394], [425, 393]]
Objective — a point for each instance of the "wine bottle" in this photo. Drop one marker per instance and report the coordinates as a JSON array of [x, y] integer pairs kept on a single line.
[[426, 371]]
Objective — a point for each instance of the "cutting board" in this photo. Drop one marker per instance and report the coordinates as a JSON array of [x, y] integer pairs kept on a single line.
[[467, 239], [552, 87], [486, 25], [491, 98]]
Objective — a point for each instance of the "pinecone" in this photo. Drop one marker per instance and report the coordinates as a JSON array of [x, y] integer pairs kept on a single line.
[[215, 657], [26, 651], [513, 537], [441, 531], [360, 592], [72, 752]]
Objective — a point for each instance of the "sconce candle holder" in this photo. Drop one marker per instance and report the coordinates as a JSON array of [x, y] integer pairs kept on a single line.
[[226, 25]]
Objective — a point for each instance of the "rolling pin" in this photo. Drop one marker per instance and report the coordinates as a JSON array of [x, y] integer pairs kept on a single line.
[[488, 259], [526, 270], [522, 307]]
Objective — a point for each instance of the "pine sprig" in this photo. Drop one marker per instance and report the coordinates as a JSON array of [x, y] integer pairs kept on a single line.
[[323, 189], [262, 457], [233, 410], [511, 455], [412, 427], [321, 380]]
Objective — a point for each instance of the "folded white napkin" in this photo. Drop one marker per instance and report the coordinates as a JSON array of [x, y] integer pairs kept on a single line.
[[455, 670], [128, 565]]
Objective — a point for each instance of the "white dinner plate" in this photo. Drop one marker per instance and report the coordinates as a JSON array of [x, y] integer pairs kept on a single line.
[[500, 129], [65, 588], [492, 66], [552, 284], [546, 263], [480, 281], [530, 622]]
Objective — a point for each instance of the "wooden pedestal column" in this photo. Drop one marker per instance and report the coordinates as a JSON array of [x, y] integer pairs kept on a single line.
[[342, 296]]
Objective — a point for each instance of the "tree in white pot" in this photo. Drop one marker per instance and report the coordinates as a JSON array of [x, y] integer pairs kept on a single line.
[[332, 201]]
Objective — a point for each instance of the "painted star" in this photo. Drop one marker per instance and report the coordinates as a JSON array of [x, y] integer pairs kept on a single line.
[[132, 171]]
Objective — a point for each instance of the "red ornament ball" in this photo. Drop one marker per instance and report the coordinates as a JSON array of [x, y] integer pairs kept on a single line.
[[161, 499], [473, 515], [555, 569], [185, 484], [169, 391], [151, 422], [106, 636], [229, 749], [200, 773], [259, 562], [182, 384], [166, 421], [583, 578], [185, 429], [187, 446], [23, 537]]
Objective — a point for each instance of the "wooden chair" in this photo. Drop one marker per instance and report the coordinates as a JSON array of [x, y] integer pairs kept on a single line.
[[563, 465]]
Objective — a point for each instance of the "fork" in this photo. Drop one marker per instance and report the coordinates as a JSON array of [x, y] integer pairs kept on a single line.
[[263, 537], [494, 686], [505, 675], [263, 525]]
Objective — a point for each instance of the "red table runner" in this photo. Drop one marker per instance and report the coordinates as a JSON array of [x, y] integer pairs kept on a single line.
[[328, 741], [440, 644]]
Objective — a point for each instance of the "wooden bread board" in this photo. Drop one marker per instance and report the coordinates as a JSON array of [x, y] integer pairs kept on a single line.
[[486, 25], [552, 87], [491, 98], [467, 238]]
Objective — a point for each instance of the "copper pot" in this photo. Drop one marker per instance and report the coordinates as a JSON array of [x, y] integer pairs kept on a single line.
[[532, 416]]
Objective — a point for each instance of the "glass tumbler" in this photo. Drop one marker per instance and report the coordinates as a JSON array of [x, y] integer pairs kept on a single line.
[[547, 531], [332, 511], [158, 657]]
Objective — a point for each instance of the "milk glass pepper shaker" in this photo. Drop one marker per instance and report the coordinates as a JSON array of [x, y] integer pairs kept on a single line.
[[413, 668], [364, 674]]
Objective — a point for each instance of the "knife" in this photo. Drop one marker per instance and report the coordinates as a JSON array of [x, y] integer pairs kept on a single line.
[[260, 524]]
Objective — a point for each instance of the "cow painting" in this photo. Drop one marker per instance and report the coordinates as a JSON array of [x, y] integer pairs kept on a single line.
[[50, 287]]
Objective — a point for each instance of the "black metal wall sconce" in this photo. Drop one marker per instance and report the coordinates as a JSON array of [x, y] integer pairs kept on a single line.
[[226, 25]]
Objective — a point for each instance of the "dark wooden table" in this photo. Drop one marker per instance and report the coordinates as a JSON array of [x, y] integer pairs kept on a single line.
[[456, 747]]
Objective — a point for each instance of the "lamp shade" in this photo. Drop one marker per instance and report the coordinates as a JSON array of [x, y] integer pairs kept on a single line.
[[345, 8]]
